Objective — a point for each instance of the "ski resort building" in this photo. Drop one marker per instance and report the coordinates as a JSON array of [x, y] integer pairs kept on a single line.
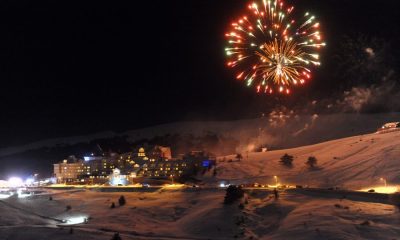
[[156, 163], [389, 127], [68, 172]]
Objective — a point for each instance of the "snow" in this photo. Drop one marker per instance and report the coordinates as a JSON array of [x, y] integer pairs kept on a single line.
[[334, 219], [356, 162], [197, 214], [158, 215]]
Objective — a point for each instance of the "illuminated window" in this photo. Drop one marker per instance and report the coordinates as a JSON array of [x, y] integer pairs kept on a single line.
[[141, 152]]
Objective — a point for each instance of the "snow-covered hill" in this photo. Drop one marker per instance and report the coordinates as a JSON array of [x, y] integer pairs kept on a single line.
[[198, 215], [356, 162]]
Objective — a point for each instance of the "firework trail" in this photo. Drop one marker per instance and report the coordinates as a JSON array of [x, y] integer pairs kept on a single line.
[[271, 50]]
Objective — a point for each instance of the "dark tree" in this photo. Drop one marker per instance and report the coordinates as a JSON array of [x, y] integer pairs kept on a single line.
[[116, 237], [287, 160], [239, 157], [276, 194], [311, 162], [112, 205], [121, 201], [395, 199], [233, 193]]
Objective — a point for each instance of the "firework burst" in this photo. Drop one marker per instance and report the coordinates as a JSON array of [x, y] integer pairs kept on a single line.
[[271, 50]]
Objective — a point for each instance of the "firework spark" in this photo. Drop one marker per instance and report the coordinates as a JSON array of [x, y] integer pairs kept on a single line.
[[271, 50]]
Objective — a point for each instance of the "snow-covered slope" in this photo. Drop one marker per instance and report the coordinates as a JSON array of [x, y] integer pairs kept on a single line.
[[199, 215], [355, 162]]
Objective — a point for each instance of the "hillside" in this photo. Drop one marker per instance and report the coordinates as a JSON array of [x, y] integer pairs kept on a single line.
[[279, 130], [196, 214], [355, 162]]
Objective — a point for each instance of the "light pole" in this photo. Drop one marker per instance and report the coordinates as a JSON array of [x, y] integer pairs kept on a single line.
[[36, 179], [384, 181], [276, 180]]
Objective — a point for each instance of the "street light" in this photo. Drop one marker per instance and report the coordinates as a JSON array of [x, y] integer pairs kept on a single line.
[[276, 180], [384, 181], [15, 182]]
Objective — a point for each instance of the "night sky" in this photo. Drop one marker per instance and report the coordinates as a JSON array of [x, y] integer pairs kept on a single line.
[[76, 67]]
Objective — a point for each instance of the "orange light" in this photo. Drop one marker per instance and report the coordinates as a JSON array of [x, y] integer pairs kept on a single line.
[[240, 75]]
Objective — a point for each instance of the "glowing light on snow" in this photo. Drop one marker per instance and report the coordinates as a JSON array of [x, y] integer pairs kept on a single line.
[[173, 186], [22, 193], [15, 182], [29, 181], [76, 220], [4, 196], [382, 189]]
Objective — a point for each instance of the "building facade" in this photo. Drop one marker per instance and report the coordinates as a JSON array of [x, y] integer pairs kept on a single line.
[[155, 162], [68, 172]]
